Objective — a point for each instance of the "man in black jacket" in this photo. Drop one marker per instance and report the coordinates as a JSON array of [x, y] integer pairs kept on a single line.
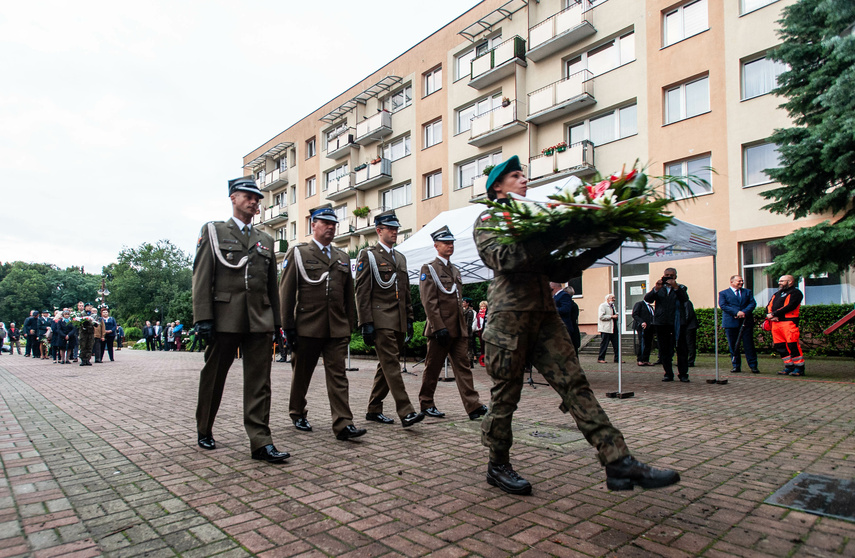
[[31, 326], [148, 334], [669, 318], [642, 323]]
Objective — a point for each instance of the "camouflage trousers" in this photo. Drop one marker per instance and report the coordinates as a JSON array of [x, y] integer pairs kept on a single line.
[[87, 340], [514, 338]]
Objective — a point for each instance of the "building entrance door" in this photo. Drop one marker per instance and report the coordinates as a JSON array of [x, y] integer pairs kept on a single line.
[[634, 288]]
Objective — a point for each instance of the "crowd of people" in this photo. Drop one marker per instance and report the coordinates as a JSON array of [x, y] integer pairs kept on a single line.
[[173, 337]]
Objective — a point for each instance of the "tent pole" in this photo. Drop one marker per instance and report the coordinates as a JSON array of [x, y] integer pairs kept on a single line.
[[715, 322], [619, 394]]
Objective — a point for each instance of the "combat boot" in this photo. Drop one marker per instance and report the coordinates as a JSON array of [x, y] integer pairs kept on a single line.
[[625, 473], [504, 476], [788, 369]]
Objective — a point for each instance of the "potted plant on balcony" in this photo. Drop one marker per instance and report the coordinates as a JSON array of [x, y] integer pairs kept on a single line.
[[488, 169], [506, 102], [360, 167], [362, 212], [561, 146], [374, 161], [548, 150]]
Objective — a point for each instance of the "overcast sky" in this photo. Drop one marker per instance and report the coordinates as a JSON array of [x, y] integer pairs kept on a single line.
[[120, 122]]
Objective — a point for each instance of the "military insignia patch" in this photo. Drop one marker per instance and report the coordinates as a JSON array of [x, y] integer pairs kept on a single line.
[[424, 276], [359, 267], [284, 264], [199, 242]]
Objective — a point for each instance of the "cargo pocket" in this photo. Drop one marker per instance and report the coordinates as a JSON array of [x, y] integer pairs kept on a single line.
[[501, 353]]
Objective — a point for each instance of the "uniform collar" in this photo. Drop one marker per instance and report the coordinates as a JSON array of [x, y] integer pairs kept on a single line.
[[241, 225], [443, 260]]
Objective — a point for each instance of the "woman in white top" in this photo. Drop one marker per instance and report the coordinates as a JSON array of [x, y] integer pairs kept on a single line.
[[607, 326]]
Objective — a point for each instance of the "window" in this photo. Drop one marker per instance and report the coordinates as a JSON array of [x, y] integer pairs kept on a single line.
[[483, 106], [310, 148], [698, 169], [760, 76], [341, 213], [259, 178], [469, 171], [311, 187], [293, 194], [756, 256], [685, 21], [334, 175], [396, 197], [605, 57], [281, 234], [293, 230], [755, 160], [433, 133], [463, 61], [433, 81], [282, 163], [615, 125], [399, 100], [397, 149], [433, 185], [336, 132], [751, 5], [280, 200], [687, 100]]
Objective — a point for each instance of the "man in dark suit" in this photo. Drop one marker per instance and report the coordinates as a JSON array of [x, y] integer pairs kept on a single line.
[[31, 326], [317, 307], [669, 317], [148, 334], [568, 310], [737, 306], [109, 334], [236, 304], [385, 314], [158, 332], [642, 320]]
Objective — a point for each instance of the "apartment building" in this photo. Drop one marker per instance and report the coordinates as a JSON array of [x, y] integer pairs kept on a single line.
[[680, 86]]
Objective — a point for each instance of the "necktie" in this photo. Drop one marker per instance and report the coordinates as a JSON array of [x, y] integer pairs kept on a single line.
[[393, 255], [327, 252], [739, 295]]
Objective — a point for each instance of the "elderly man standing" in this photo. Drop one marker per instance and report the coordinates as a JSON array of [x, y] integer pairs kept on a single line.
[[737, 306], [316, 293], [783, 311], [386, 317], [440, 287], [236, 304], [670, 319]]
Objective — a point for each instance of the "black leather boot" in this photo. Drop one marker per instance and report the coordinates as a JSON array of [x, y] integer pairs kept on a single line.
[[504, 476], [625, 473]]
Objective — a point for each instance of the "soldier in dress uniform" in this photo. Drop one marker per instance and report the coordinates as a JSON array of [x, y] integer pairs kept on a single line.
[[385, 314], [440, 286], [524, 327], [236, 305], [318, 309]]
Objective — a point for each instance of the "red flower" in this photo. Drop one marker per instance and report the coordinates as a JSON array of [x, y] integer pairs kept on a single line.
[[600, 188], [631, 175]]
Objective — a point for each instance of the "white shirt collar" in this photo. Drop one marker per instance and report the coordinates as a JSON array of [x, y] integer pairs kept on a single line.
[[443, 260], [735, 291], [321, 246], [241, 225], [387, 248]]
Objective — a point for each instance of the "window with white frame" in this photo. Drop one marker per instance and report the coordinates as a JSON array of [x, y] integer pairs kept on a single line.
[[341, 213], [293, 194], [608, 56], [336, 132], [310, 148], [433, 133], [467, 172], [396, 197], [308, 223], [311, 187], [293, 230], [756, 159], [684, 21], [751, 5], [618, 124], [259, 177], [479, 107], [463, 61], [696, 174], [433, 81], [760, 76], [433, 185], [280, 200], [281, 233], [687, 100], [757, 256], [400, 99], [282, 163], [333, 175], [394, 150]]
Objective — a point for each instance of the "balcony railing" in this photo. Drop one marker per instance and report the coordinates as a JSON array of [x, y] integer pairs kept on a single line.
[[563, 97], [373, 128], [575, 160], [479, 184], [281, 245], [373, 174], [340, 187], [560, 31], [275, 214], [273, 179], [340, 145], [496, 124], [257, 219], [497, 63]]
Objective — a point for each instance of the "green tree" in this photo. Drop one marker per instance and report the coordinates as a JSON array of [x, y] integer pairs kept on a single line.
[[817, 155], [68, 286], [25, 287]]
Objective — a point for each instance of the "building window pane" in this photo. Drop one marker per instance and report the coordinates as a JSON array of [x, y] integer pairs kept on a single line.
[[699, 169], [628, 121], [401, 99], [311, 187], [483, 106], [609, 127], [433, 81], [756, 159], [397, 149], [396, 197], [467, 172], [602, 59], [760, 77], [756, 256], [463, 64], [751, 5], [603, 129], [433, 133], [687, 20], [310, 148], [433, 185], [687, 100]]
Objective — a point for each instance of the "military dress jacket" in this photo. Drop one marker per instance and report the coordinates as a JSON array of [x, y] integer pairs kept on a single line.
[[324, 309], [239, 297], [388, 308], [444, 311]]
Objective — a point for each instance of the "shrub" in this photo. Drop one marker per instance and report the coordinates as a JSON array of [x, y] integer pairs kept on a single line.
[[133, 333], [417, 346]]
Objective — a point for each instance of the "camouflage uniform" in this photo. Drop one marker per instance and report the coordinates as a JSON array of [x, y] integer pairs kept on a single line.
[[524, 326], [86, 339]]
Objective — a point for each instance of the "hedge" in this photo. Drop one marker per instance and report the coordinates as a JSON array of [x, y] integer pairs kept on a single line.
[[417, 346], [813, 320]]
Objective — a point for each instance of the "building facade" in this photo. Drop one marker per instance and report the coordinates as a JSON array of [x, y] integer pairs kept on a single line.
[[683, 87]]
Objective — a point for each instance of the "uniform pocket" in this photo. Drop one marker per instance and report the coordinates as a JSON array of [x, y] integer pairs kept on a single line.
[[265, 299], [502, 357], [222, 296]]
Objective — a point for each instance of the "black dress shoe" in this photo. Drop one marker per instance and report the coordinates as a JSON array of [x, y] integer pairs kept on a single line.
[[411, 419], [755, 371], [478, 413], [735, 371], [668, 379], [627, 472], [207, 442], [303, 424], [270, 454], [433, 412], [379, 417], [684, 379], [349, 432], [507, 479]]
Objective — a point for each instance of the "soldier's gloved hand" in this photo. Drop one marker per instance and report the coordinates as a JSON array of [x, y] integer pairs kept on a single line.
[[205, 330], [409, 331], [442, 337], [368, 333], [291, 339]]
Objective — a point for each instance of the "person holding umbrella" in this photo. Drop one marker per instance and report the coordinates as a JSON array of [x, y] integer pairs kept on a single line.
[[737, 305]]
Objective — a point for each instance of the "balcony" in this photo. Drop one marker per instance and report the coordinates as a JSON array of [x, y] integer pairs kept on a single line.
[[479, 185], [274, 179], [275, 215], [341, 187], [373, 174], [495, 125], [374, 128], [256, 219], [497, 63], [340, 145], [576, 160], [561, 98], [560, 31], [281, 246]]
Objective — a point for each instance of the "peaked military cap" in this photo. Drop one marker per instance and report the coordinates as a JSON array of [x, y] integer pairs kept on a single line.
[[324, 213], [244, 184], [387, 219], [442, 235], [512, 164]]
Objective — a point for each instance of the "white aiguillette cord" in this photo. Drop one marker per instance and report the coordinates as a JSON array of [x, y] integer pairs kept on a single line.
[[439, 283], [215, 244], [381, 283], [325, 276]]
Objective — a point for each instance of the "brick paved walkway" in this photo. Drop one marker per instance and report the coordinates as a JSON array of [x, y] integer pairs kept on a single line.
[[102, 460]]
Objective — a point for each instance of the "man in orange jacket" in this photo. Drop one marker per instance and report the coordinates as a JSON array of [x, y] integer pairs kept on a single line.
[[783, 311]]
